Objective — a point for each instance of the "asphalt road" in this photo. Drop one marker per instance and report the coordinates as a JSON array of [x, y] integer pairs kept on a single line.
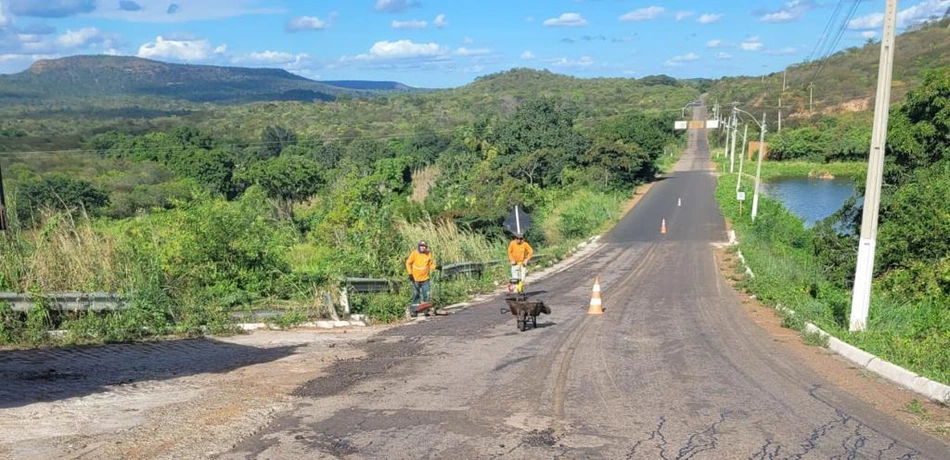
[[673, 370]]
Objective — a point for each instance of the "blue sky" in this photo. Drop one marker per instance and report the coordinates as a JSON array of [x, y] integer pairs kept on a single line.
[[443, 43]]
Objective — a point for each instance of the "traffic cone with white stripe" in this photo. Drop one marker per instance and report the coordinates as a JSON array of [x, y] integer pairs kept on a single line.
[[596, 306], [663, 227]]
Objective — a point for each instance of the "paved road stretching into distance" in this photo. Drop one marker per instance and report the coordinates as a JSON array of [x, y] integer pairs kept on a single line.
[[673, 370]]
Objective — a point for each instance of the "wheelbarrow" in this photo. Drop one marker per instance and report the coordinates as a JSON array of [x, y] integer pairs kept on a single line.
[[525, 311]]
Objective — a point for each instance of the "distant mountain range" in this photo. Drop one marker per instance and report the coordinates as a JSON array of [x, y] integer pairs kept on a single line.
[[91, 77]]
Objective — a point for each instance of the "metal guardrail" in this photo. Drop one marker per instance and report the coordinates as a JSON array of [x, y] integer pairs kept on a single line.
[[103, 301], [370, 285], [64, 301]]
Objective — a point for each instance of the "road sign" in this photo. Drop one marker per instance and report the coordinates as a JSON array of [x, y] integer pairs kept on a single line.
[[740, 196], [679, 125], [517, 222], [712, 124]]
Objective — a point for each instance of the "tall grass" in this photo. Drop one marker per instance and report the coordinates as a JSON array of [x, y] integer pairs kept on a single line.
[[449, 243], [780, 251], [65, 253], [579, 215]]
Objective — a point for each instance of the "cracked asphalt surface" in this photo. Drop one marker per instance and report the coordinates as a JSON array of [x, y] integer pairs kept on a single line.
[[673, 370]]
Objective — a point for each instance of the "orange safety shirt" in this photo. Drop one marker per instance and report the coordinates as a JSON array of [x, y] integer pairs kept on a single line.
[[519, 253], [419, 265]]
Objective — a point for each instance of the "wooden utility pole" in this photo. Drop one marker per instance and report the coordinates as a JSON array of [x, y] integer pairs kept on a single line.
[[864, 272]]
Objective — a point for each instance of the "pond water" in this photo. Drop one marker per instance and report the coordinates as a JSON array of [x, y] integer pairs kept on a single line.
[[808, 198]]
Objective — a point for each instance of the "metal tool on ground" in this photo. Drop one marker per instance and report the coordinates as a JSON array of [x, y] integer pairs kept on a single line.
[[596, 305]]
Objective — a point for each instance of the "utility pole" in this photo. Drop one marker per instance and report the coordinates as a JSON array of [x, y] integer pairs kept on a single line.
[[779, 114], [784, 80], [758, 170], [864, 272], [745, 134], [3, 204], [732, 152], [726, 145]]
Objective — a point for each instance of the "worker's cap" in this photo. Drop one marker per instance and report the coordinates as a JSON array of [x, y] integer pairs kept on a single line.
[[422, 244]]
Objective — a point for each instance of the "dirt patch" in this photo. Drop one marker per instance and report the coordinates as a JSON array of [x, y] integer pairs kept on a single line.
[[158, 414], [897, 402]]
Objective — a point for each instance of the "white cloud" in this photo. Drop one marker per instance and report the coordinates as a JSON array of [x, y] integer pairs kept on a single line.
[[566, 20], [402, 49], [751, 44], [788, 50], [714, 43], [527, 55], [179, 50], [160, 11], [584, 61], [472, 52], [80, 38], [907, 17], [409, 24], [792, 11], [869, 34], [680, 15], [723, 55], [468, 40], [529, 19], [440, 21], [306, 23], [643, 14], [709, 18], [394, 6], [680, 60], [272, 58]]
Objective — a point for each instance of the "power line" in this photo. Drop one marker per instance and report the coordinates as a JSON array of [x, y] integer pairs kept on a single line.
[[824, 34], [837, 39]]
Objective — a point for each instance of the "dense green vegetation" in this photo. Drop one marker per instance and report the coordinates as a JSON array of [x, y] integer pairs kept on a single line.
[[847, 80], [811, 270], [193, 227]]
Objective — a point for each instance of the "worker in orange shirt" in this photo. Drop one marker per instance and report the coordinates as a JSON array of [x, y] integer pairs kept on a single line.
[[419, 266], [519, 254]]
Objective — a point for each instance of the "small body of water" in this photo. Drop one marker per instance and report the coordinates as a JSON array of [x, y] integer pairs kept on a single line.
[[810, 199]]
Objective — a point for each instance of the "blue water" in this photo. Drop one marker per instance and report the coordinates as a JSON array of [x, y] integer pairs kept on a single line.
[[810, 199]]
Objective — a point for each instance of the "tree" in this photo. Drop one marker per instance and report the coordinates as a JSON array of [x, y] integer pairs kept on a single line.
[[542, 124], [213, 169], [56, 192], [274, 139], [621, 165], [286, 180]]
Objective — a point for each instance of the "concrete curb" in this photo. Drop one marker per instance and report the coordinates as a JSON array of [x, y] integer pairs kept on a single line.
[[315, 324], [923, 386]]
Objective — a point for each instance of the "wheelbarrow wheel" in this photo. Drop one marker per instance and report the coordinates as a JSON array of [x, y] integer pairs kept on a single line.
[[523, 321]]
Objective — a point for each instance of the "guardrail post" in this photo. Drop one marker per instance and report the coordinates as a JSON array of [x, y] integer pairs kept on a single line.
[[345, 301]]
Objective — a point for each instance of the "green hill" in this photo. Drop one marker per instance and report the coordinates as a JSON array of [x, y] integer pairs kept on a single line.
[[496, 94], [79, 78], [848, 79]]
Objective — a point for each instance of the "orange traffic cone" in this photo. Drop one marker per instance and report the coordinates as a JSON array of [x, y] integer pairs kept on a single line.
[[663, 227], [596, 307]]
